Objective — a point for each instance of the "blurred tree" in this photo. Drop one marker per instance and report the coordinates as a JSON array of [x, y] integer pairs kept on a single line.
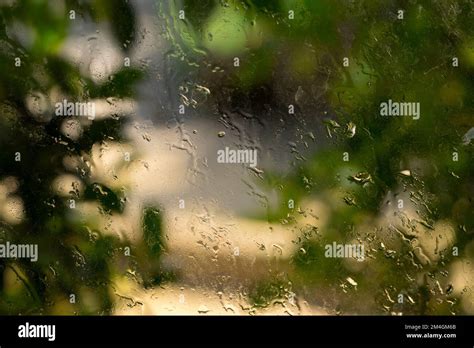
[[77, 261]]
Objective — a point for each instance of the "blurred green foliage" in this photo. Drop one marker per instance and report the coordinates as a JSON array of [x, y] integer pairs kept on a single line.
[[302, 43], [280, 44], [76, 257]]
